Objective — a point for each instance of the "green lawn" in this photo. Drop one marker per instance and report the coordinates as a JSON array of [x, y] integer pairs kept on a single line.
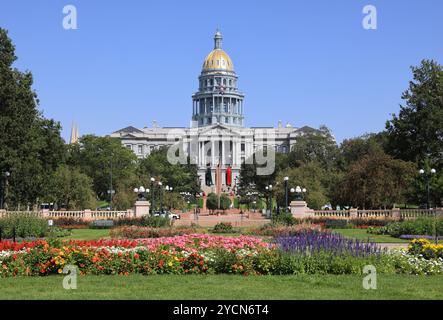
[[362, 234], [231, 287], [87, 234]]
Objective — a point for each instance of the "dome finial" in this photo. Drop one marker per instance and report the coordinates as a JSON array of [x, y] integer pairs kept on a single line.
[[217, 39]]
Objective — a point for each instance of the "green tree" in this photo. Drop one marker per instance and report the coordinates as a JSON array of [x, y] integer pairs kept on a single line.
[[314, 145], [225, 202], [312, 176], [99, 157], [375, 181], [182, 177], [212, 202], [71, 189], [352, 150], [417, 132], [31, 146], [249, 170]]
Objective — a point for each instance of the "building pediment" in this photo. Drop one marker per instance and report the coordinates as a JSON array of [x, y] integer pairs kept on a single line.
[[128, 130], [128, 136], [219, 130]]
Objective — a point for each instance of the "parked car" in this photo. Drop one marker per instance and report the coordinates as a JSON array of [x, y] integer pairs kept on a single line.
[[167, 214]]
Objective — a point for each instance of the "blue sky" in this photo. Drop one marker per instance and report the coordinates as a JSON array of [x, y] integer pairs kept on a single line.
[[302, 62]]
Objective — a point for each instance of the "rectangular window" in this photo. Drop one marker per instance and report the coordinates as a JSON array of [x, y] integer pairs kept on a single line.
[[129, 146], [242, 147], [140, 149]]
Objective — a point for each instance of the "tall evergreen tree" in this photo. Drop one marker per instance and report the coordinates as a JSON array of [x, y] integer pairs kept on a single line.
[[416, 134]]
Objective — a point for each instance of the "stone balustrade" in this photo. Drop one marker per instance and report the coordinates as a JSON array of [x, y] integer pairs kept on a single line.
[[88, 215], [299, 209]]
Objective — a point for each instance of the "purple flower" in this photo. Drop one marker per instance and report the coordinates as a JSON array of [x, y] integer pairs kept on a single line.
[[412, 236], [314, 242]]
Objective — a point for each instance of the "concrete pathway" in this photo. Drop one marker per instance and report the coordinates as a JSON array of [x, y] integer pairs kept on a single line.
[[391, 246]]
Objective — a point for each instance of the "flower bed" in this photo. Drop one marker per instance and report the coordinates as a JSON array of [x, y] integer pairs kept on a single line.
[[197, 253], [310, 253], [315, 242], [276, 230], [411, 237], [135, 232]]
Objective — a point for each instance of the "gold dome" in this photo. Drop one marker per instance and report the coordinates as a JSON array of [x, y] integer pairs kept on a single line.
[[217, 59]]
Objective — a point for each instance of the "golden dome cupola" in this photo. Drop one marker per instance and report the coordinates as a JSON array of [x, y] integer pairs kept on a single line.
[[218, 99], [217, 59]]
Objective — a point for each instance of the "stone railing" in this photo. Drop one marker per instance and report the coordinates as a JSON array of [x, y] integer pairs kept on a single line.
[[417, 213], [4, 213], [299, 209], [374, 213], [331, 213], [85, 214]]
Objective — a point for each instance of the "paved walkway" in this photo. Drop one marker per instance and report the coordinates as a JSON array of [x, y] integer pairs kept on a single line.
[[391, 246]]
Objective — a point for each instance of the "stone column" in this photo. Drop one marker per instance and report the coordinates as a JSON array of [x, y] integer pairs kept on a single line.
[[223, 152], [395, 213], [213, 152], [87, 214], [353, 213], [200, 160], [300, 210]]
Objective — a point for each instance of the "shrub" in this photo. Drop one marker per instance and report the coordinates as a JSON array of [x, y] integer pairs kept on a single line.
[[157, 222], [71, 222], [275, 230], [223, 227], [420, 226], [284, 219], [26, 226], [147, 221], [135, 232], [345, 223], [57, 232]]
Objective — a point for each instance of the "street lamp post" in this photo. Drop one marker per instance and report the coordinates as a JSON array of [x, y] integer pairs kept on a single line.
[[269, 191], [160, 190], [299, 193], [168, 188], [286, 193], [152, 196], [5, 176], [141, 193], [427, 177]]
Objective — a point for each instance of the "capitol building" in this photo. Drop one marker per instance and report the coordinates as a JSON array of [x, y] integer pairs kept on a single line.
[[216, 136]]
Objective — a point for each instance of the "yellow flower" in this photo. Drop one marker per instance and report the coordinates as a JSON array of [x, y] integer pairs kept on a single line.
[[60, 270], [170, 263]]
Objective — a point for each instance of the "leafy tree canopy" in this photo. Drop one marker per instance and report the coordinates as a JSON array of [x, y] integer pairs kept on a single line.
[[416, 133]]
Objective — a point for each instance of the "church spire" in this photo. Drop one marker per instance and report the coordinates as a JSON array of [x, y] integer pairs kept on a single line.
[[74, 133], [217, 40]]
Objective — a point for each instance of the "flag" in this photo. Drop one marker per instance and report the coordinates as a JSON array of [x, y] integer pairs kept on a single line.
[[228, 176]]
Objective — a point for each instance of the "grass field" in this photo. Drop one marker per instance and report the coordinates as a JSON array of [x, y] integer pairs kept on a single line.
[[87, 234], [362, 234], [223, 287]]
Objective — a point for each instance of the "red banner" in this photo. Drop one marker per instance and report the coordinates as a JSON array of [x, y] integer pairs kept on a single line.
[[228, 176]]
